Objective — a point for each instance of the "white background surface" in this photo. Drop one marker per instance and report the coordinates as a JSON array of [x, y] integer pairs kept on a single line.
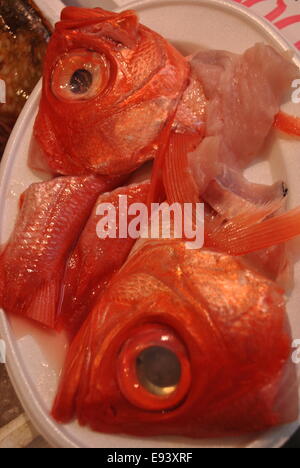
[[261, 7]]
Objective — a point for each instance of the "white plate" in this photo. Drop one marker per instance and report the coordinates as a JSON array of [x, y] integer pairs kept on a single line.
[[33, 363]]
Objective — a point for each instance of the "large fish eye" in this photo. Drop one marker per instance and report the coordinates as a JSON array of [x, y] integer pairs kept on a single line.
[[158, 370], [81, 81], [154, 369], [80, 75]]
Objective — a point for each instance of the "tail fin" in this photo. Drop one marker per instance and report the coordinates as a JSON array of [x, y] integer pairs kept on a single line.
[[43, 308]]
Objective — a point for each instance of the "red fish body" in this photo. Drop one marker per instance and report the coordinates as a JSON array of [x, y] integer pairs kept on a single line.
[[110, 85], [95, 260], [225, 323], [32, 265]]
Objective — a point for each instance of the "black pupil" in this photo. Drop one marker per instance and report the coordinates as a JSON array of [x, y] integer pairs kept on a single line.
[[81, 81], [158, 366]]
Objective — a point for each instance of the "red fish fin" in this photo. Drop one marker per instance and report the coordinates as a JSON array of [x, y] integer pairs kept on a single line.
[[217, 225], [248, 234], [230, 194], [65, 403], [287, 124], [179, 183], [157, 192], [43, 308], [128, 24]]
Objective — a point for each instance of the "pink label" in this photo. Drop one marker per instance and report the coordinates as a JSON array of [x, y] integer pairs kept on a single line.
[[283, 14]]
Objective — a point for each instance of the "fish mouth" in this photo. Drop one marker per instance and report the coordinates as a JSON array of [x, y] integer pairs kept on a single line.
[[154, 371]]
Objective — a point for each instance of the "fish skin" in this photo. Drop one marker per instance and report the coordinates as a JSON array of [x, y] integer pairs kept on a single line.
[[248, 89], [52, 215], [232, 323], [231, 194], [94, 261], [213, 169], [276, 263], [147, 77], [244, 94], [191, 115]]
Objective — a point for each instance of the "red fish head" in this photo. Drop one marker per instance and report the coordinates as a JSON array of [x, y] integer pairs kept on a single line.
[[184, 342], [110, 86]]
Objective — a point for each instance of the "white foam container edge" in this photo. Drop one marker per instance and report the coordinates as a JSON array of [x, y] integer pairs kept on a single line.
[[188, 24]]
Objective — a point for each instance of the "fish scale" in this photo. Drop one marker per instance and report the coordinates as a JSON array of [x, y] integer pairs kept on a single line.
[[234, 366], [50, 220]]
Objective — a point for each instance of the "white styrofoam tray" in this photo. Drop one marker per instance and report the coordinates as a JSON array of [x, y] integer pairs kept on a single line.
[[35, 357]]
